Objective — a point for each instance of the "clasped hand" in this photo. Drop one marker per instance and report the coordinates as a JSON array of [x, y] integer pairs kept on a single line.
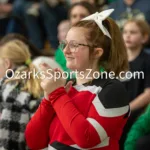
[[51, 84]]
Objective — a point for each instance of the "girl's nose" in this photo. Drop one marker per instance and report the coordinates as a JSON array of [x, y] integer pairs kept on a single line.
[[66, 50]]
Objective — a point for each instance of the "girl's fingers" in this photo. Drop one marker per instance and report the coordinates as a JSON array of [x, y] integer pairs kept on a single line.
[[68, 86], [46, 69], [44, 66], [58, 71]]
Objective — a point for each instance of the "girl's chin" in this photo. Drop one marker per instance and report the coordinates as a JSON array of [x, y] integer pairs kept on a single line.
[[72, 67], [75, 67], [129, 46]]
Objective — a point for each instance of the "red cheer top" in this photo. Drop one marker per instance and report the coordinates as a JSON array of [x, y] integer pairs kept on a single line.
[[88, 117]]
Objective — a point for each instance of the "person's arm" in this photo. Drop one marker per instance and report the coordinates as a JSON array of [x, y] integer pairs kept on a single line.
[[90, 131], [37, 130], [141, 101], [144, 98], [139, 129]]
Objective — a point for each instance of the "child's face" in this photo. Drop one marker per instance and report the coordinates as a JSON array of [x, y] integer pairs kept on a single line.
[[132, 36], [77, 57], [63, 28], [78, 13]]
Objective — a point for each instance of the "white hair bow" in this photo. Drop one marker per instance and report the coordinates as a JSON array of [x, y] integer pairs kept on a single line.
[[99, 17]]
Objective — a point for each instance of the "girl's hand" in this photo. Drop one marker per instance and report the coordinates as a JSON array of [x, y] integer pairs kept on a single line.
[[50, 84]]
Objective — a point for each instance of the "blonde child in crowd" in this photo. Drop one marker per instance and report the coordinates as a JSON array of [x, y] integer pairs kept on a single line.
[[136, 34], [20, 94]]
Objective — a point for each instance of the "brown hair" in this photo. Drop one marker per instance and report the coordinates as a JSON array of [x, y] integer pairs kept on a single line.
[[142, 24], [18, 53], [89, 7], [114, 57]]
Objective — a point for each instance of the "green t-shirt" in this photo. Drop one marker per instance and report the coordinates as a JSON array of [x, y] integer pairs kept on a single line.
[[60, 59]]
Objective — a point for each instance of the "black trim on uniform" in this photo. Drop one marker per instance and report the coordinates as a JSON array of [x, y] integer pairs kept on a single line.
[[113, 93], [61, 146]]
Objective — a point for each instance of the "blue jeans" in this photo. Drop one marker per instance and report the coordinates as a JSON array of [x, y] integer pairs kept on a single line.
[[16, 23], [44, 27]]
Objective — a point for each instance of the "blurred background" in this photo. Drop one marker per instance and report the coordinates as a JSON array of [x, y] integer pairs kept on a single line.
[[42, 24]]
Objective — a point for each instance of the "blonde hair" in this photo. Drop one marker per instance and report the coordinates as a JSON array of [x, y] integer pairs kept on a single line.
[[18, 53]]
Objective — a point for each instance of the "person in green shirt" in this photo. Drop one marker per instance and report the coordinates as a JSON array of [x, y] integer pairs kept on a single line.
[[63, 28], [139, 136]]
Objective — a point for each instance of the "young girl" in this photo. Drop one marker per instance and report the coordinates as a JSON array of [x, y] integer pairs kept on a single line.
[[92, 113], [19, 95], [135, 34], [77, 12]]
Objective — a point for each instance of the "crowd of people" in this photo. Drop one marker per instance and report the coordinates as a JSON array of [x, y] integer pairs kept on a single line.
[[40, 108]]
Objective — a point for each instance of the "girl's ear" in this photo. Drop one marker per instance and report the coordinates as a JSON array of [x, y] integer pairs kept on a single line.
[[7, 63], [98, 52], [145, 38]]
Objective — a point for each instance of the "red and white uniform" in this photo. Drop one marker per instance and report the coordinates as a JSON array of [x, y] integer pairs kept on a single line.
[[89, 117]]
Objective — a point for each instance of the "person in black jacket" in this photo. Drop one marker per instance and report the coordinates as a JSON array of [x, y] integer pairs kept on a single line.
[[136, 34]]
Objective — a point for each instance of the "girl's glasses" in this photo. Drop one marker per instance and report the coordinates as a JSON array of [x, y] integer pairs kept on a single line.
[[72, 45]]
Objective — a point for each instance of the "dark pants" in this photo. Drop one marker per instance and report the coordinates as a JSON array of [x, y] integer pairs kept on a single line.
[[16, 23], [3, 26], [45, 26]]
